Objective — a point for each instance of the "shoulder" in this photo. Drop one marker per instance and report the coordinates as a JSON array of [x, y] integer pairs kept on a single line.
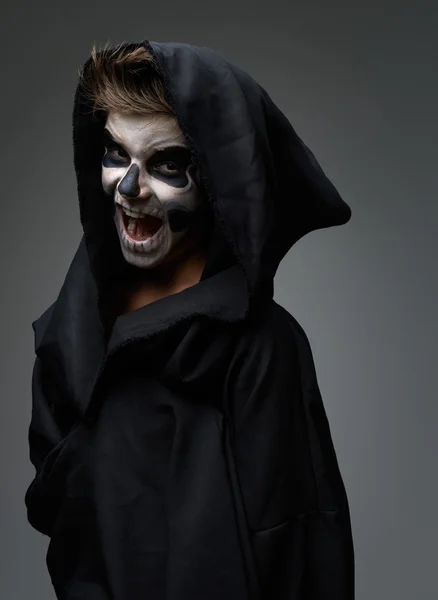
[[266, 352], [273, 332], [40, 324], [265, 372]]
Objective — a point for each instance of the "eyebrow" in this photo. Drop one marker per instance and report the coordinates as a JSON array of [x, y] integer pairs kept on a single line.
[[170, 151], [107, 136], [160, 151]]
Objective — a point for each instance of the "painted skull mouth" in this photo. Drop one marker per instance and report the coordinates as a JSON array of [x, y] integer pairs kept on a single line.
[[142, 228]]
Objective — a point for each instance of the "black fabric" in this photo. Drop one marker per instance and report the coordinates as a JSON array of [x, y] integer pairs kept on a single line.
[[182, 450]]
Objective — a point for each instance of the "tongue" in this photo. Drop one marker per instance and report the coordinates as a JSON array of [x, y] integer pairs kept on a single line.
[[141, 229]]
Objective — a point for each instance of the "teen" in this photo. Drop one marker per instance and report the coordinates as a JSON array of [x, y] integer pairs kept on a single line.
[[181, 446]]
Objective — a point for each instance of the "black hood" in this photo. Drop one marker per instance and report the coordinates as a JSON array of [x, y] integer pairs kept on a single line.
[[262, 183]]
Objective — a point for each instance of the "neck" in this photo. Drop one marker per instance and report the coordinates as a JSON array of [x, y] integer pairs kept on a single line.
[[180, 271], [176, 273]]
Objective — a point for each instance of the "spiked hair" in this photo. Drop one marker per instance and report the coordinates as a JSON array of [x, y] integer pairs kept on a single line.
[[121, 79]]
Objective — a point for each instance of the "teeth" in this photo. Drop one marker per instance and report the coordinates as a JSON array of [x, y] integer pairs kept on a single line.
[[140, 215], [133, 214]]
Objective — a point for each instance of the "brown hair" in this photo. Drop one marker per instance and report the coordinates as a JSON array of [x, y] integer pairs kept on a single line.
[[124, 80]]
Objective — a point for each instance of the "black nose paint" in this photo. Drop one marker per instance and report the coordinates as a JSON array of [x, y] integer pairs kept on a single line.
[[129, 185]]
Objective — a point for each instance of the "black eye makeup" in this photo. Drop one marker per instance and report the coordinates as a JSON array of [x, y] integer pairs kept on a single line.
[[167, 164], [179, 154], [115, 155], [170, 165], [169, 168]]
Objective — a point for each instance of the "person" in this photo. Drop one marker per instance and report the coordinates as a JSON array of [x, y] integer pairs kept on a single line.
[[179, 438]]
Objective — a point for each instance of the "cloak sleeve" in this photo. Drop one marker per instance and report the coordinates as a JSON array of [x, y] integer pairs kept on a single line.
[[48, 430], [290, 493]]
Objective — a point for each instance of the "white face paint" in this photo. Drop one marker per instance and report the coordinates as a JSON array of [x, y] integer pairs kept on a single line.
[[147, 170]]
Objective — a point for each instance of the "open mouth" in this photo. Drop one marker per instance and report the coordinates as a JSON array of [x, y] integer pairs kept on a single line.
[[140, 229]]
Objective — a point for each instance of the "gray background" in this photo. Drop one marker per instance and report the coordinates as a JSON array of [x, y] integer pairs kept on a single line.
[[358, 80]]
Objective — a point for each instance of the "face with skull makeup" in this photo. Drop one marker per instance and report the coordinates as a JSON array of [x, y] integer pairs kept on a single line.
[[148, 172]]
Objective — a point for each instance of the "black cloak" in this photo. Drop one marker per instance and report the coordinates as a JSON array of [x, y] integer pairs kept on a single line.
[[183, 452]]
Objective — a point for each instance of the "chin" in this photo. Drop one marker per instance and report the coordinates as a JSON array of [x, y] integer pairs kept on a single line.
[[141, 261]]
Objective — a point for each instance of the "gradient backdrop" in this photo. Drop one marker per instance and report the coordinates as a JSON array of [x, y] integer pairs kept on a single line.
[[358, 80]]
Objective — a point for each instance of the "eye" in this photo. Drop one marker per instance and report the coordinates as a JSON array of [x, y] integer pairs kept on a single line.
[[169, 167], [116, 153]]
